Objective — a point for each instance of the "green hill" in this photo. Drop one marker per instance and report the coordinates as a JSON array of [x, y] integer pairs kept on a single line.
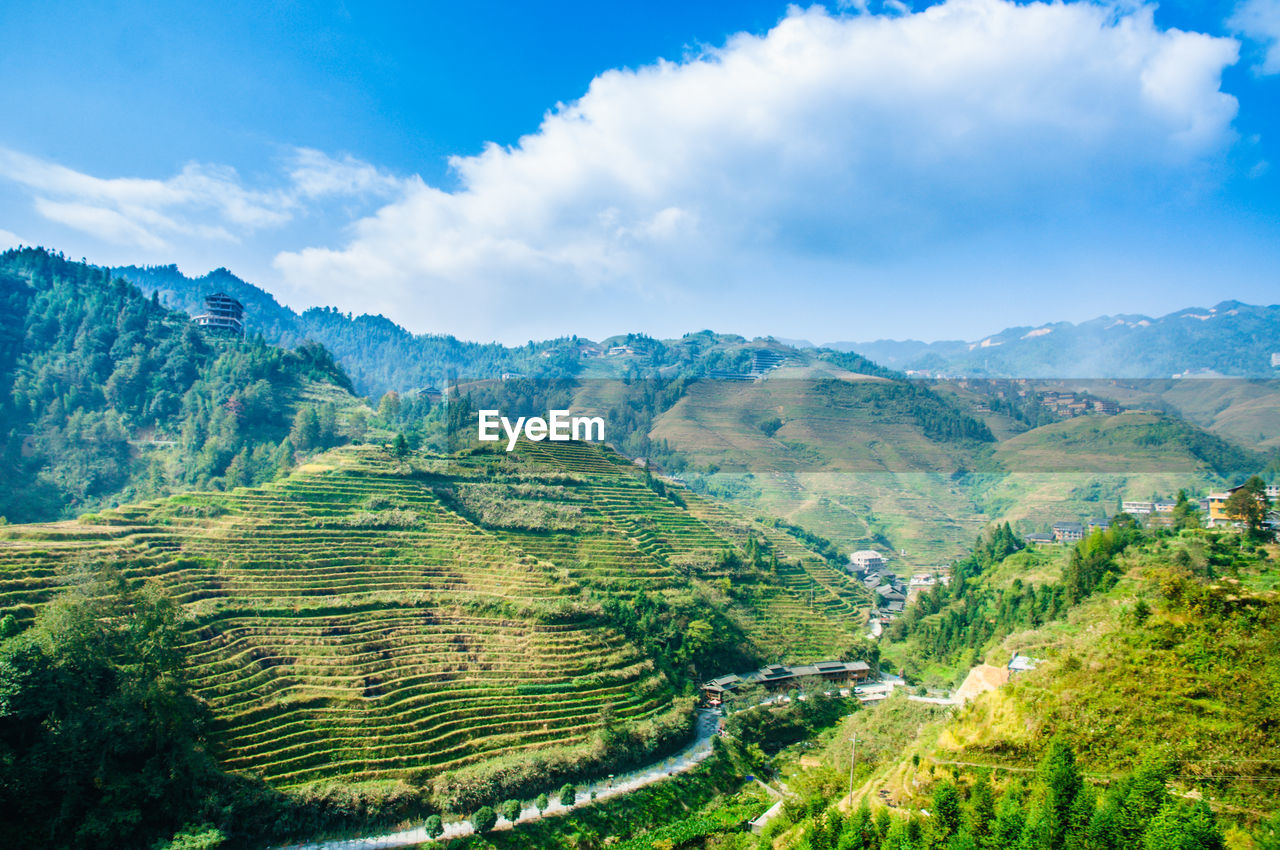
[[1148, 718], [105, 396], [1176, 665], [477, 627]]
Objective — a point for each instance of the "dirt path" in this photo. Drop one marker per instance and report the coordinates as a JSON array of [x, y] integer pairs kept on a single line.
[[705, 728]]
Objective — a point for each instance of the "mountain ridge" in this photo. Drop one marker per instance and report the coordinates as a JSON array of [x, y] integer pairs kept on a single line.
[[1179, 343]]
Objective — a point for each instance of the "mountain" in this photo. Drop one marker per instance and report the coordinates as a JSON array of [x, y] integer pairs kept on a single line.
[[1231, 339], [379, 355], [439, 632], [830, 440], [106, 396]]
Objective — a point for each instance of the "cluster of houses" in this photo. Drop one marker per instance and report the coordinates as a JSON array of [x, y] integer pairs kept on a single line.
[[888, 592], [1154, 514], [1078, 404], [1066, 404], [784, 677]]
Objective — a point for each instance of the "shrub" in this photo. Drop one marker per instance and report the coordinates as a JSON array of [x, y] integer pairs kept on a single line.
[[484, 819], [568, 794]]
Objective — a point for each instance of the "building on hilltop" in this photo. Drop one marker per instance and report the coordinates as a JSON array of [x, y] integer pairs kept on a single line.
[[222, 313]]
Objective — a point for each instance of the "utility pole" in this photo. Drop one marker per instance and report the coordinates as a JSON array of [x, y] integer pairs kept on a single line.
[[853, 759]]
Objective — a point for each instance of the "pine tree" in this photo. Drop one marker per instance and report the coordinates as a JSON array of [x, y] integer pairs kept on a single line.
[[946, 810], [1062, 780]]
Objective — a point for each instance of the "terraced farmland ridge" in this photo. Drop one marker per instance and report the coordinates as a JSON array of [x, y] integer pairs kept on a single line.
[[371, 619]]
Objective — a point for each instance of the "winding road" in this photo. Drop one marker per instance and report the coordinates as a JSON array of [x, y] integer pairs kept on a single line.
[[704, 730]]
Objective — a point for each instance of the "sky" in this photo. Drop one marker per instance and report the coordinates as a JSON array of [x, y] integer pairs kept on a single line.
[[510, 171]]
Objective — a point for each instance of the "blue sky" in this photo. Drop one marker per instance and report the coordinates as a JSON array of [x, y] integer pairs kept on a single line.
[[512, 170]]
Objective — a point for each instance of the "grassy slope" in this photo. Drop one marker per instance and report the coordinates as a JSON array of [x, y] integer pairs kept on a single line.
[[865, 477], [333, 645], [1246, 411], [1192, 685]]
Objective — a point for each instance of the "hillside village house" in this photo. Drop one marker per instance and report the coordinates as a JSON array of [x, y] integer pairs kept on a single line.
[[1021, 664], [866, 561], [1066, 532], [780, 677], [1215, 506]]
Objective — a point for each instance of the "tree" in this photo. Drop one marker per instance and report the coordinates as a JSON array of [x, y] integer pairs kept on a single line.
[[511, 810], [1009, 822], [1186, 514], [1183, 825], [1249, 505], [946, 810], [101, 743], [433, 827], [541, 804], [305, 434], [568, 794], [400, 448], [1063, 781], [981, 812], [196, 838], [389, 408], [484, 819], [283, 458]]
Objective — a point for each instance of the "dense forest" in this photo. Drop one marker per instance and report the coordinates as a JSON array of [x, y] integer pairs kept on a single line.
[[108, 396]]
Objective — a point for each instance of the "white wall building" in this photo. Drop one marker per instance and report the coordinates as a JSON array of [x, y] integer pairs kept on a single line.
[[866, 560]]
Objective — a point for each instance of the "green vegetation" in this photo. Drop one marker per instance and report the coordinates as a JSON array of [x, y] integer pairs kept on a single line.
[[347, 623], [1056, 809], [107, 397]]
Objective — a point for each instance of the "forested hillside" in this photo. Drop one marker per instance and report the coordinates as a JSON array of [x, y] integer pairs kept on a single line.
[[106, 396], [379, 355]]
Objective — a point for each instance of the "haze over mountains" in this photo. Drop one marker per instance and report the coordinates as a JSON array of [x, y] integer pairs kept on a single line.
[[1231, 338]]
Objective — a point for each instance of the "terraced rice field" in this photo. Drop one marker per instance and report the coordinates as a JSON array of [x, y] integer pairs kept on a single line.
[[354, 622]]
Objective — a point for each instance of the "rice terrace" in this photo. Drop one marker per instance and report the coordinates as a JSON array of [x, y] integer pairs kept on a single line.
[[372, 620]]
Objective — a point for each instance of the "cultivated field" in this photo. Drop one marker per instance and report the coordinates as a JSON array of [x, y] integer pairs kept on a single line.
[[369, 619]]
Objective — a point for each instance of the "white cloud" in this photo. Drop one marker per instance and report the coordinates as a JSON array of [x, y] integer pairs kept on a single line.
[[208, 202], [9, 239], [1259, 20], [830, 138]]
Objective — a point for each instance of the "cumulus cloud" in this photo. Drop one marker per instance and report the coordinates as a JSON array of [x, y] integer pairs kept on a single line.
[[832, 137], [1259, 20], [203, 201]]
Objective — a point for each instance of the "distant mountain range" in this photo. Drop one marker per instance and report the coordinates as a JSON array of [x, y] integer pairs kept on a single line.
[[1232, 339]]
